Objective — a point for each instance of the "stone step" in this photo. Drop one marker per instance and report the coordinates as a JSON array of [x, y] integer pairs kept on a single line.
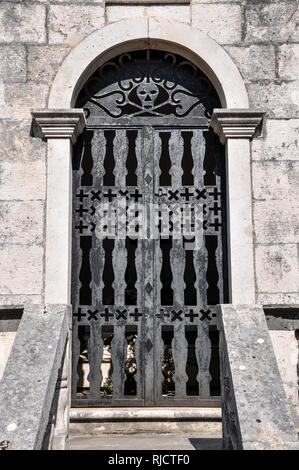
[[146, 441], [145, 420]]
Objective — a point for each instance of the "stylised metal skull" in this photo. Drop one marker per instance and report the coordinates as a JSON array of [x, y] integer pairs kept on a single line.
[[147, 93]]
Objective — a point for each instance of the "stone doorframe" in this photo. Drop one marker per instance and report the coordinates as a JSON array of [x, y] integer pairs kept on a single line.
[[235, 123]]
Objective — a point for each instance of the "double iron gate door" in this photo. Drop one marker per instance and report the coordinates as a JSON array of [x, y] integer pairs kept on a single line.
[[149, 260]]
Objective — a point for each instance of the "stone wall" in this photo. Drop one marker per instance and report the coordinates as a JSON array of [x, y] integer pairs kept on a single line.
[[260, 36]]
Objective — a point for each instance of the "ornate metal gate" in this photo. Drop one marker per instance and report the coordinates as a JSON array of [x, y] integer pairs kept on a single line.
[[149, 236]]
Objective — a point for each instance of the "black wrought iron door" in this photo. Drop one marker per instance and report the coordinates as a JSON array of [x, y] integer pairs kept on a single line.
[[148, 246]]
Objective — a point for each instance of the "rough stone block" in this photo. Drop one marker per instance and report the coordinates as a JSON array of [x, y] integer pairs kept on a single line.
[[16, 101], [277, 268], [275, 180], [279, 98], [21, 222], [276, 221], [69, 24], [254, 62], [22, 23], [21, 269], [16, 143], [22, 180], [271, 21], [44, 62], [222, 22], [12, 64], [288, 60], [175, 12], [279, 141]]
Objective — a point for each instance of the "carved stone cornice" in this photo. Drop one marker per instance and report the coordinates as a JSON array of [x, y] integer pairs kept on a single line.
[[236, 123], [60, 123]]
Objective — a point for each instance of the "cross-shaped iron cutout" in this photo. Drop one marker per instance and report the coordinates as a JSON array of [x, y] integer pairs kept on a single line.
[[186, 194], [107, 314], [215, 208], [136, 314], [79, 314], [110, 195], [216, 225], [176, 315], [92, 315], [81, 226], [95, 195], [173, 195], [205, 314], [215, 193], [191, 315], [201, 194], [121, 314], [136, 195], [81, 210], [81, 195]]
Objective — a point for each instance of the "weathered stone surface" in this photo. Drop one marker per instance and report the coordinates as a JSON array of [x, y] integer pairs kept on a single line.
[[44, 61], [14, 174], [288, 59], [16, 143], [32, 366], [277, 268], [16, 101], [256, 412], [275, 180], [278, 298], [279, 141], [20, 299], [271, 21], [13, 63], [276, 222], [21, 270], [22, 23], [21, 222], [70, 24], [254, 62], [279, 98], [286, 351], [175, 12], [222, 22]]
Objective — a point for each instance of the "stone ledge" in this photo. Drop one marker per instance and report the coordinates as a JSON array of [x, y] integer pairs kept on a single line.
[[236, 123], [155, 413], [147, 2], [60, 123]]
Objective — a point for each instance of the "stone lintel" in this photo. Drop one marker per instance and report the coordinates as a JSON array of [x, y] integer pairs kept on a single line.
[[236, 123], [60, 123]]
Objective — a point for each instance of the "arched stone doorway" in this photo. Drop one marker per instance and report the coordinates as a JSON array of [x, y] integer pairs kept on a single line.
[[149, 235], [61, 124]]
